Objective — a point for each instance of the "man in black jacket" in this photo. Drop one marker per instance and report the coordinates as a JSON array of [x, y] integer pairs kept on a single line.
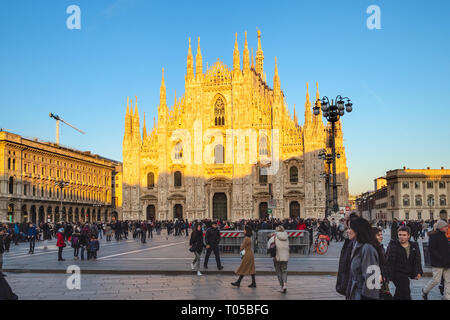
[[440, 259], [212, 239], [403, 263], [2, 247]]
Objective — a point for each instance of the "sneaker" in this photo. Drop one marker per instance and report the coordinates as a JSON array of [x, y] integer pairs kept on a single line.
[[424, 295], [199, 273], [192, 266]]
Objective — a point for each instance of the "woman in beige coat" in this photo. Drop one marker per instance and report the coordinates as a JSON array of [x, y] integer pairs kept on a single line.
[[281, 258], [247, 266]]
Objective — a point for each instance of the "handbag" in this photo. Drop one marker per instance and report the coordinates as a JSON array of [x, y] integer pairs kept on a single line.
[[273, 248], [242, 253]]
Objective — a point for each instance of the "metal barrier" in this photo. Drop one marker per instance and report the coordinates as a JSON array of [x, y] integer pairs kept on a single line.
[[298, 241], [230, 241]]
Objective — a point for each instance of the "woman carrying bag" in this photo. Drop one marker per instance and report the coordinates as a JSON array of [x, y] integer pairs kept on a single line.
[[196, 246], [278, 248], [247, 266]]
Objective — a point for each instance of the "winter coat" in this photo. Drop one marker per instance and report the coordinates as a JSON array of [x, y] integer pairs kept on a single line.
[[247, 266], [5, 290], [2, 245], [60, 241], [76, 243], [398, 263], [282, 246], [93, 245], [212, 236], [344, 267], [363, 256], [439, 248], [31, 231], [196, 241], [46, 231]]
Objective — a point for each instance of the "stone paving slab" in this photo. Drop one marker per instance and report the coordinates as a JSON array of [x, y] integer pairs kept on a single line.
[[159, 287]]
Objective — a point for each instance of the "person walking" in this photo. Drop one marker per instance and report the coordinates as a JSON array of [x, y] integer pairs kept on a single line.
[[196, 246], [247, 266], [31, 234], [281, 241], [440, 259], [212, 239], [403, 263], [75, 240], [2, 248], [366, 255], [60, 243]]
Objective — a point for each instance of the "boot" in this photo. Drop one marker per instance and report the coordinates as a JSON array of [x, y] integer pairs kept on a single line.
[[238, 282], [253, 284]]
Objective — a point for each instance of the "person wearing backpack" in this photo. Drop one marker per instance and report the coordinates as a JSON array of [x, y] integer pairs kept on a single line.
[[280, 242], [76, 243]]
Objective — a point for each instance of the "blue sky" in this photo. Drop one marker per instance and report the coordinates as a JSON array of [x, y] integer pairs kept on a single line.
[[397, 77]]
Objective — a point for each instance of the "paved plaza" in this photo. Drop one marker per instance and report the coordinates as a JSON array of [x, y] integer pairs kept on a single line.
[[160, 269]]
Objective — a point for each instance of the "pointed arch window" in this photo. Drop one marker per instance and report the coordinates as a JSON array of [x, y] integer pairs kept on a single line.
[[219, 112], [178, 151], [218, 154], [293, 175], [177, 179], [150, 180], [263, 146]]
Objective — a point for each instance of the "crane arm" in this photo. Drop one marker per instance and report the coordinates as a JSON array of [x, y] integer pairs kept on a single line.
[[72, 126]]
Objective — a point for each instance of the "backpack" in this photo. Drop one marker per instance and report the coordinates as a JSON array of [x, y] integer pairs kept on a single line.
[[75, 241]]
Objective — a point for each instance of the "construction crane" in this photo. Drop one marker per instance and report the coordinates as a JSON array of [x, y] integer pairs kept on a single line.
[[58, 119]]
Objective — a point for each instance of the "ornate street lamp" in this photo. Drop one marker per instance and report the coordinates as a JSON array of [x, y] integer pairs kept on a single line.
[[61, 184], [332, 112]]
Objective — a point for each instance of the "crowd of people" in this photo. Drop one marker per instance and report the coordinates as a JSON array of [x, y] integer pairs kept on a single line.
[[363, 247]]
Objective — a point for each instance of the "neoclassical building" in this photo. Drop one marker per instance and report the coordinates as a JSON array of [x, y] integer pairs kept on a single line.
[[228, 148], [29, 169]]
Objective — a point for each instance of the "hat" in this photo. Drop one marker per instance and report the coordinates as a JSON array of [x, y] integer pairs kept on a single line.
[[440, 224], [61, 230]]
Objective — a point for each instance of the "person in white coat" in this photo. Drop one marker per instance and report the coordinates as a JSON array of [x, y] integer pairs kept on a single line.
[[280, 261]]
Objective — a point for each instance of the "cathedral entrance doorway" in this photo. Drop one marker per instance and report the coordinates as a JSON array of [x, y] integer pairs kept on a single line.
[[220, 206], [177, 211], [263, 212], [151, 212], [294, 210]]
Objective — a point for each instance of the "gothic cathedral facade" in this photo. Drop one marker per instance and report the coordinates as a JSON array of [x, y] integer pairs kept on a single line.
[[228, 149]]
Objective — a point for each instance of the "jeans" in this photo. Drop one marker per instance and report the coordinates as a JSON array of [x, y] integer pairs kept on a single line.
[[60, 251], [402, 288], [196, 261], [215, 249], [1, 262], [32, 243], [281, 271], [76, 250], [438, 274], [82, 252]]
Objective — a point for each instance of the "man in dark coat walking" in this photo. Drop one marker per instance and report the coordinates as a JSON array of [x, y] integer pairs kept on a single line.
[[440, 259], [212, 239], [403, 263]]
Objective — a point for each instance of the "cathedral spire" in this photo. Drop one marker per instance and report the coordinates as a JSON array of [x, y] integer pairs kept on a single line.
[[131, 108], [295, 117], [253, 60], [246, 55], [136, 113], [190, 63], [308, 113], [198, 61], [162, 91], [259, 56], [276, 79], [144, 130], [236, 57], [318, 119]]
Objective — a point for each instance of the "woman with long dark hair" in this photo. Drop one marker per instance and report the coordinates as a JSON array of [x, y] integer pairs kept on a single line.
[[366, 258], [196, 246], [247, 266]]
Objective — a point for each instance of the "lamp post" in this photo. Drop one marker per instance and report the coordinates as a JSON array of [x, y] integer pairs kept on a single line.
[[61, 184], [333, 112], [328, 157]]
